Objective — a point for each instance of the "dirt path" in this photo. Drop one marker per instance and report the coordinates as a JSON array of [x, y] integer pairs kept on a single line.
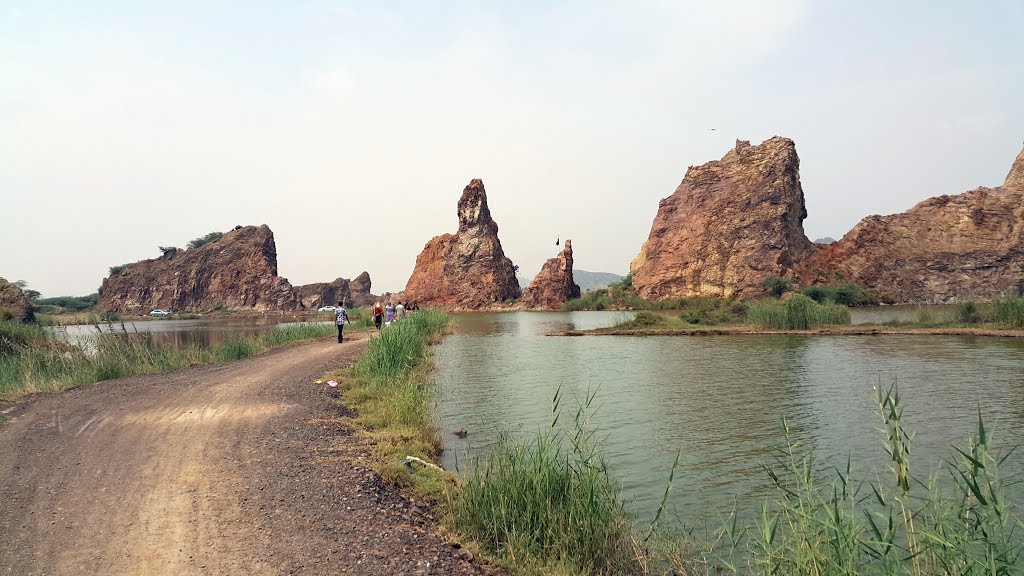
[[229, 469]]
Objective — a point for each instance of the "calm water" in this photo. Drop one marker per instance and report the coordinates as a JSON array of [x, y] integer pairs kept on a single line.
[[204, 332], [720, 399]]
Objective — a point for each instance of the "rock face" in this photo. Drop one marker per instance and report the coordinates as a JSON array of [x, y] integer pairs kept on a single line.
[[237, 271], [352, 292], [14, 305], [467, 270], [730, 224], [554, 284], [945, 249]]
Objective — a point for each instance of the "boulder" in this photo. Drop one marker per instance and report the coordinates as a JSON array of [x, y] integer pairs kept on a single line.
[[554, 285], [14, 305], [730, 224], [467, 270], [945, 249], [236, 271]]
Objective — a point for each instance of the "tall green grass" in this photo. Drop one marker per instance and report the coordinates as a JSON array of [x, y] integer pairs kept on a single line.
[[797, 313], [33, 359], [548, 501], [1009, 311]]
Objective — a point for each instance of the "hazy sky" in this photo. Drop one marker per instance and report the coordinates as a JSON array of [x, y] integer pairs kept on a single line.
[[351, 128]]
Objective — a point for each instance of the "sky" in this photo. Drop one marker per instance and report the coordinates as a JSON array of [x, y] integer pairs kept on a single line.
[[351, 128]]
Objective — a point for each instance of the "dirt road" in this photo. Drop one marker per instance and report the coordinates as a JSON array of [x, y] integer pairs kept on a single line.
[[229, 469]]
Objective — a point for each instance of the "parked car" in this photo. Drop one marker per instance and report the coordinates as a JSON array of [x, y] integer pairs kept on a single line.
[[326, 309], [160, 313]]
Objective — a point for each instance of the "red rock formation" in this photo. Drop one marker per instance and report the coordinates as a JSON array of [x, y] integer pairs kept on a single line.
[[944, 249], [729, 225], [352, 292], [14, 305], [237, 271], [467, 270], [554, 284]]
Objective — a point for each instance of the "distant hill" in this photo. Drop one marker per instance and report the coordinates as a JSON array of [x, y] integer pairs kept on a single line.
[[585, 280], [825, 240]]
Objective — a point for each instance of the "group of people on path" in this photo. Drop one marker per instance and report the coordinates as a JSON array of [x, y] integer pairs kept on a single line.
[[382, 315], [389, 314]]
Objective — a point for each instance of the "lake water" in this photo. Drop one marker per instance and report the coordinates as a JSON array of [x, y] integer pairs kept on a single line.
[[719, 400], [202, 332]]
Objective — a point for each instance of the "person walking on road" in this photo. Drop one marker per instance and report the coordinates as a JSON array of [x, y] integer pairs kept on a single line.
[[400, 311], [340, 318], [389, 314]]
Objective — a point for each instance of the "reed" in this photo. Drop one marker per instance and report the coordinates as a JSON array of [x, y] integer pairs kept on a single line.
[[1009, 311], [844, 525], [797, 313], [549, 501]]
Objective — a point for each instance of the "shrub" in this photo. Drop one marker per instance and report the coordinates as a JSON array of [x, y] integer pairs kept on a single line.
[[776, 285], [967, 312], [196, 243], [844, 294], [165, 250], [71, 303], [115, 270]]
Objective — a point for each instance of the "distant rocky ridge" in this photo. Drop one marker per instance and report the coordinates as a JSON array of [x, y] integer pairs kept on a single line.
[[354, 292], [554, 284], [732, 223], [237, 271], [467, 270], [14, 305], [945, 249], [587, 281]]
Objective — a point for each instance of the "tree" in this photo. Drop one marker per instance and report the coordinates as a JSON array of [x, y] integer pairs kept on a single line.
[[31, 294]]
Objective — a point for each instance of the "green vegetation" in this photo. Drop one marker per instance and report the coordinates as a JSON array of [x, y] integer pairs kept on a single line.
[[34, 359], [387, 387], [548, 503], [777, 285], [197, 242], [114, 270], [903, 525], [165, 250], [844, 294], [797, 313], [1009, 311], [60, 304]]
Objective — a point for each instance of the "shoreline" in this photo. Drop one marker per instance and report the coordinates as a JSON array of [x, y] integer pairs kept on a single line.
[[870, 330]]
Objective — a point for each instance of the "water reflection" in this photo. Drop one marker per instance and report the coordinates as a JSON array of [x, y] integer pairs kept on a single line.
[[203, 333], [720, 399]]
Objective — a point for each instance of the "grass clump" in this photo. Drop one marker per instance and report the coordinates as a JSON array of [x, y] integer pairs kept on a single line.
[[797, 313], [1009, 311], [206, 239], [842, 294], [548, 502]]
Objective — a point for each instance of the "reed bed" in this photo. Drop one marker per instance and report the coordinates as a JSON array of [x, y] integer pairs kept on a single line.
[[548, 503], [799, 312], [33, 359]]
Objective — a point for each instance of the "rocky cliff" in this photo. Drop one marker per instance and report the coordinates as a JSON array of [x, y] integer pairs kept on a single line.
[[14, 305], [354, 292], [467, 270], [728, 225], [944, 249], [237, 271], [553, 285]]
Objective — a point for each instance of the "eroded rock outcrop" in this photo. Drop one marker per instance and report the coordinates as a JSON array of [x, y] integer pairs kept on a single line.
[[554, 285], [14, 305], [467, 270], [354, 292], [949, 248], [237, 271], [730, 224]]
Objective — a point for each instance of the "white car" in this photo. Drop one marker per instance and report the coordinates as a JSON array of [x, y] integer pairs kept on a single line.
[[326, 309], [160, 313]]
